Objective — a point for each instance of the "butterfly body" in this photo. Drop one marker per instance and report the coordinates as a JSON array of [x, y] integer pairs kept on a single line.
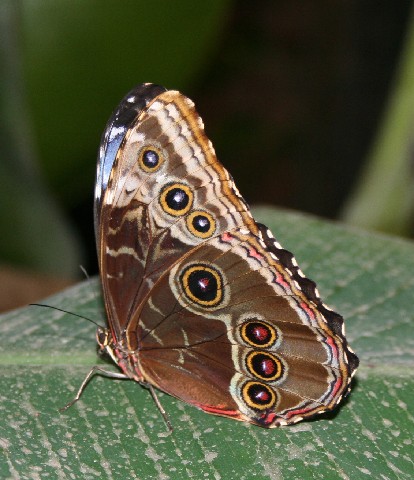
[[202, 302]]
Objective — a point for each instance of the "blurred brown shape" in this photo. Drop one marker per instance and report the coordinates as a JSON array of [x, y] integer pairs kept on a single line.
[[20, 287]]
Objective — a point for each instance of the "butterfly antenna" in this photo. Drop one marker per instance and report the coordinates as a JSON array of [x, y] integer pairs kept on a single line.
[[84, 271], [65, 311]]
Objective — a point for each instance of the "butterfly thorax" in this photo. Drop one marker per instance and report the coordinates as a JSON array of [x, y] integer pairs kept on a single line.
[[127, 361]]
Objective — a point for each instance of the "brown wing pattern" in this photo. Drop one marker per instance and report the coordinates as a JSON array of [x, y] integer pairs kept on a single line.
[[304, 368], [139, 238], [201, 301]]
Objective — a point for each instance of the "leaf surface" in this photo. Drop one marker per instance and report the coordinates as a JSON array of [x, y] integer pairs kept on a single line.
[[115, 430]]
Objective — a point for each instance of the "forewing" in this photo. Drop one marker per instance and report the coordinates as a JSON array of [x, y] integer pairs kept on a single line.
[[142, 229]]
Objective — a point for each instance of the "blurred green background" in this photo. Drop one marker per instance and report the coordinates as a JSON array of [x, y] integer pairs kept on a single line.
[[309, 105]]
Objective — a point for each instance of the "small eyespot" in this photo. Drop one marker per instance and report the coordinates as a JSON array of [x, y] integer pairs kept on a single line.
[[176, 199], [258, 333], [264, 366], [202, 284], [150, 159], [258, 396], [201, 224]]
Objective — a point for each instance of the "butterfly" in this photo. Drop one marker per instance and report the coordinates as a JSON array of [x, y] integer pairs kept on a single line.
[[202, 302]]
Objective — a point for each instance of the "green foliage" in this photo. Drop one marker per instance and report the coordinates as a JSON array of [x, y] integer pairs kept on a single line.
[[383, 198], [115, 430], [64, 66], [82, 57]]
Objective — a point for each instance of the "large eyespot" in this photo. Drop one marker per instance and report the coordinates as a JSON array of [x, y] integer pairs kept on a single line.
[[150, 159], [264, 366], [201, 224], [258, 396], [176, 199], [258, 333], [203, 285]]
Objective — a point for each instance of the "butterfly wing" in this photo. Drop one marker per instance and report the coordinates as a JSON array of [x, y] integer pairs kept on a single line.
[[232, 333], [201, 300], [166, 193]]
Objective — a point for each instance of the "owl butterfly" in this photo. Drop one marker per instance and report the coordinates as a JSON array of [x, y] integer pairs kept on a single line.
[[202, 302]]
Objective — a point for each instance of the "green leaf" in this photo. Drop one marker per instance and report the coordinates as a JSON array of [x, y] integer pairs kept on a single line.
[[383, 195], [63, 69], [82, 57], [27, 209], [116, 431]]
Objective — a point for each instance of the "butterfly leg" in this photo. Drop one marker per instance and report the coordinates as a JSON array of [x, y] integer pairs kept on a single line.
[[159, 406], [94, 371]]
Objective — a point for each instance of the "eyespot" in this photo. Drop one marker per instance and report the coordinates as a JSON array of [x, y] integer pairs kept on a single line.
[[258, 333], [203, 285], [258, 396], [150, 159], [264, 366], [176, 199], [201, 224]]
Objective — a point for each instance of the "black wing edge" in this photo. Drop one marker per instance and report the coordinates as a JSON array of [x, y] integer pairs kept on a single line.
[[122, 118], [133, 103], [334, 320]]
